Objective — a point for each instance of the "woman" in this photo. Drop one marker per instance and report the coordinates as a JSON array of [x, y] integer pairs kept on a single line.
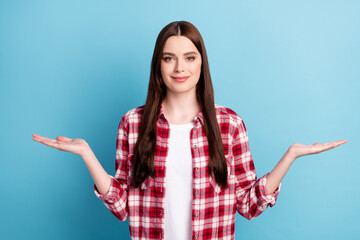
[[183, 164]]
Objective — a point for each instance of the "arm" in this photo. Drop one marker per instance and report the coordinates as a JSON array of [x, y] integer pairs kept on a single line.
[[251, 193], [295, 151], [254, 195], [277, 174], [111, 190], [101, 178], [80, 147]]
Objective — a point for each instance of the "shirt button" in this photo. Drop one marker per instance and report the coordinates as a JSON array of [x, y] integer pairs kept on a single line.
[[196, 215], [196, 192], [195, 238], [195, 146], [194, 128], [196, 168]]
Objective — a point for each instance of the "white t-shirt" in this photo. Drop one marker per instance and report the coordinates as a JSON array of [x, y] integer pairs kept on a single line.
[[178, 181]]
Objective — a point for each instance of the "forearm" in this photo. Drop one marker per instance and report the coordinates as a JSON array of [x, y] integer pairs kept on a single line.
[[101, 179], [277, 174]]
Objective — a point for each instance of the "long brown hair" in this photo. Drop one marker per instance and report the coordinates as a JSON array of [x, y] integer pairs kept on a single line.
[[143, 159]]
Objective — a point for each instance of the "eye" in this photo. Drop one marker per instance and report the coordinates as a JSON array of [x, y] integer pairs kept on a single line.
[[167, 58], [191, 58]]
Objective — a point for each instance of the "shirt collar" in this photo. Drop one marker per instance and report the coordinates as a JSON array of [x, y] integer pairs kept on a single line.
[[199, 116]]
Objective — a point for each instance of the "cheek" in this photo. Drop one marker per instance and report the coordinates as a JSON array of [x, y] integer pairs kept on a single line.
[[197, 68], [163, 72], [165, 69]]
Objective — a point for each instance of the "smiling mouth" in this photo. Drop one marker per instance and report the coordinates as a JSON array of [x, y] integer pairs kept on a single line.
[[180, 79]]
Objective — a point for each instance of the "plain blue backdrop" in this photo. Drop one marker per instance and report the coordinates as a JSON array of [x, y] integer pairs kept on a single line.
[[290, 69]]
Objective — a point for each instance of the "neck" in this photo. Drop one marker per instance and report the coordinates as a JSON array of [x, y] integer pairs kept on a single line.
[[180, 108]]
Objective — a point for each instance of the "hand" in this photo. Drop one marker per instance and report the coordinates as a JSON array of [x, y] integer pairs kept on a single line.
[[76, 145], [298, 149]]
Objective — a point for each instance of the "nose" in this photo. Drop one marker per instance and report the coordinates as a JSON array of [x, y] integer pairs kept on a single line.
[[179, 67]]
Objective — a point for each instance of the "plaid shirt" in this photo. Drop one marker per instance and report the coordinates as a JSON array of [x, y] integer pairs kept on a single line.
[[213, 208]]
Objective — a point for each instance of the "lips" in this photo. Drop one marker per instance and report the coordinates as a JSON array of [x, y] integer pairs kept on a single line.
[[180, 79]]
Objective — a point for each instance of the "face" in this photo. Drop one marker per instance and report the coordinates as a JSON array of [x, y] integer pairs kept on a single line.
[[180, 59]]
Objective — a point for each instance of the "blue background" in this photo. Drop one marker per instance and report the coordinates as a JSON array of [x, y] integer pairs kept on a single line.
[[290, 69]]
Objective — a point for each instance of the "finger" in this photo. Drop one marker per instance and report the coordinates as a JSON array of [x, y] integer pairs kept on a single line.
[[38, 136], [64, 139], [44, 138], [336, 142], [51, 144], [343, 141], [328, 146], [47, 141], [37, 139]]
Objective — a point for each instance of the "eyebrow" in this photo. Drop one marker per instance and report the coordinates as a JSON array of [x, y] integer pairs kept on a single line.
[[172, 54]]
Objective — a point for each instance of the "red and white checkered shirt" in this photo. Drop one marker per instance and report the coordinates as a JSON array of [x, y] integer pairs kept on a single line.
[[213, 208]]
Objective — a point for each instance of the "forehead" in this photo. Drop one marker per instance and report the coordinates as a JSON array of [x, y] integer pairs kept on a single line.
[[179, 45]]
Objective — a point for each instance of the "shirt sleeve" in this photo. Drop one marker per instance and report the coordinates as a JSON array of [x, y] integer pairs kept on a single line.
[[116, 198], [251, 193]]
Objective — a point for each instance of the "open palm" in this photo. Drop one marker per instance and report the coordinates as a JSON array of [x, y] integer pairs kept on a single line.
[[299, 149], [61, 143]]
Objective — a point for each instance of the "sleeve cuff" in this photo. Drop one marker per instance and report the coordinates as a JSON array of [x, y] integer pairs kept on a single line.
[[267, 198], [113, 194]]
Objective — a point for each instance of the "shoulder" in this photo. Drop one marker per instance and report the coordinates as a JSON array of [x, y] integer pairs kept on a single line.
[[227, 114], [132, 116], [229, 119]]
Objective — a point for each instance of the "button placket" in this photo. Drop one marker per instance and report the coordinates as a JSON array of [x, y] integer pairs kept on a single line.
[[194, 146]]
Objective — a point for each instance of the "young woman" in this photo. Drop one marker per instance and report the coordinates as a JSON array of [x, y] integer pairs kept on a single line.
[[183, 164]]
